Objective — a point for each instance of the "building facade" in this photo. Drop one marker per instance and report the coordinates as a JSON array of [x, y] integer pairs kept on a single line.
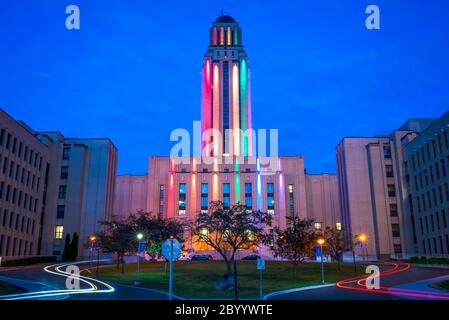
[[228, 169], [374, 193], [23, 174], [426, 165], [83, 179], [51, 186]]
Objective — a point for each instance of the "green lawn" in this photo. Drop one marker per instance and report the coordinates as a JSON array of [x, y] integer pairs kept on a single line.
[[6, 288], [443, 285], [198, 279]]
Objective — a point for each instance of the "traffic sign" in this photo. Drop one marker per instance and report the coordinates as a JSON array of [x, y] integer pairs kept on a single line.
[[171, 249], [142, 246], [260, 264], [318, 251], [360, 244]]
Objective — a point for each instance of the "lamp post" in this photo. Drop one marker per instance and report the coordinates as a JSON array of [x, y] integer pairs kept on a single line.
[[139, 238], [363, 239], [320, 242], [92, 240]]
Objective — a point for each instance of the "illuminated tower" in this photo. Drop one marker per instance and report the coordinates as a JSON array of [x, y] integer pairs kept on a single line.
[[226, 96]]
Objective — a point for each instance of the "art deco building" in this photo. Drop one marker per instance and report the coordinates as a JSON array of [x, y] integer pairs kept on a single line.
[[51, 186], [426, 192], [229, 169], [373, 178]]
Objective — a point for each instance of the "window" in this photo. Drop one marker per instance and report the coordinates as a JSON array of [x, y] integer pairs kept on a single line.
[[395, 230], [338, 226], [248, 196], [66, 153], [270, 196], [397, 248], [226, 195], [64, 172], [161, 198], [182, 199], [59, 230], [389, 171], [204, 196], [62, 192], [60, 212], [291, 201], [391, 190], [387, 152], [317, 225], [393, 210]]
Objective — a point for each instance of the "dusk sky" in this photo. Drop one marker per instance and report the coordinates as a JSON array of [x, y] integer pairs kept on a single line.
[[132, 72]]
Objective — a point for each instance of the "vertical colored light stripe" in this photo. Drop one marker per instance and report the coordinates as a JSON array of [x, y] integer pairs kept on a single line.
[[259, 187], [193, 197], [281, 206], [251, 152], [237, 188], [215, 36], [215, 187], [236, 36], [237, 180], [206, 102], [216, 105], [229, 36], [235, 109], [244, 106], [222, 36], [171, 195]]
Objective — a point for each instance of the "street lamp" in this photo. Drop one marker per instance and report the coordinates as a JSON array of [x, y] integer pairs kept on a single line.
[[321, 242], [363, 239], [92, 240], [139, 238]]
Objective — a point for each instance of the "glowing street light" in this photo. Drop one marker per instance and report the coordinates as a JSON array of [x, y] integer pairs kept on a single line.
[[92, 240], [139, 237], [321, 242]]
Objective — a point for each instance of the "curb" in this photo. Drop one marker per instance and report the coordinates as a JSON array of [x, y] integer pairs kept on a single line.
[[276, 293]]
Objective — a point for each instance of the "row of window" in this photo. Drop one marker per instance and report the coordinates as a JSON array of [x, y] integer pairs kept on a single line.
[[431, 150], [16, 222], [435, 245], [225, 36], [182, 196], [19, 174], [19, 149], [17, 197], [225, 170], [433, 222], [8, 247], [433, 198], [431, 174]]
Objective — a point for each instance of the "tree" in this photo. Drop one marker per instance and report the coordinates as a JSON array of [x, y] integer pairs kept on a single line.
[[334, 244], [116, 237], [66, 252], [296, 242], [229, 230], [119, 235]]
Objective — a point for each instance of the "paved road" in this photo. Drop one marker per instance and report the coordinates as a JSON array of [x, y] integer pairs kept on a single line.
[[50, 282], [357, 292]]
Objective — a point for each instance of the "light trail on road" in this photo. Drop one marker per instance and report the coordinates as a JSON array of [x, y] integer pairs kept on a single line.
[[94, 285], [359, 284]]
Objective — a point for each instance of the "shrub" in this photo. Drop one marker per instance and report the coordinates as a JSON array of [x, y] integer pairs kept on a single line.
[[28, 261]]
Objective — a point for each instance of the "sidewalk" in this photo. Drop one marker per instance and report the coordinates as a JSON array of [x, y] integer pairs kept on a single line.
[[422, 288]]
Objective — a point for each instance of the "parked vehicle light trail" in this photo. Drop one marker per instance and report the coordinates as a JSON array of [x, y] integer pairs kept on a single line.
[[91, 282]]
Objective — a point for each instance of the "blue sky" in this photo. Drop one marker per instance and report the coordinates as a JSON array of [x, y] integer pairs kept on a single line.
[[132, 72]]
